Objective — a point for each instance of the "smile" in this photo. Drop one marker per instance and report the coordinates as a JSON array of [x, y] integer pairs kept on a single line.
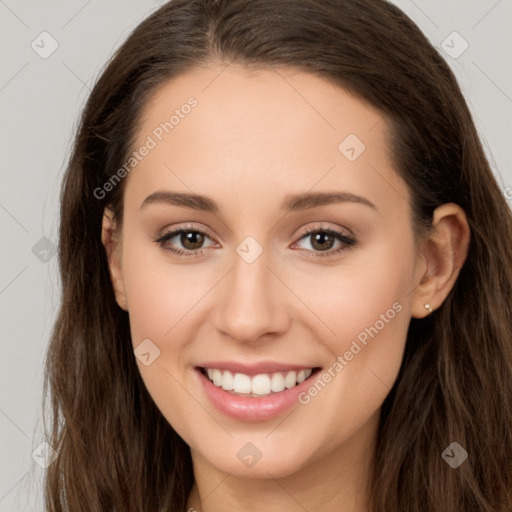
[[254, 392], [262, 384]]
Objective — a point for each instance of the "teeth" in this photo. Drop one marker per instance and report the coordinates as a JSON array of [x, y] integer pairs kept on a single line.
[[277, 382], [217, 377], [227, 381], [241, 383], [259, 385]]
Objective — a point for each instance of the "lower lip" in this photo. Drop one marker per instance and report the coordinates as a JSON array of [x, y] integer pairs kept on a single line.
[[253, 409]]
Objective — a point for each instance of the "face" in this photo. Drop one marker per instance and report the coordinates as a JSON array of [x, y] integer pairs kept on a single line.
[[288, 282]]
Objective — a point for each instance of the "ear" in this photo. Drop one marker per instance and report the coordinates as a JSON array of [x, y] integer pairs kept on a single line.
[[112, 242], [442, 255]]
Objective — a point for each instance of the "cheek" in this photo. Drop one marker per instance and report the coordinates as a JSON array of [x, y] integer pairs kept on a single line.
[[366, 307], [160, 297], [159, 293], [366, 291]]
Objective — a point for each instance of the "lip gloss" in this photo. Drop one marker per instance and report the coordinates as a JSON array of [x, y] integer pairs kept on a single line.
[[252, 408]]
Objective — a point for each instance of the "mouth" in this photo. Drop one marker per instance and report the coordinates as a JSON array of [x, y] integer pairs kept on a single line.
[[256, 391], [259, 385]]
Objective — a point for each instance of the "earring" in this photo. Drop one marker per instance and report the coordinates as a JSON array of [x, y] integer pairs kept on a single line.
[[428, 308]]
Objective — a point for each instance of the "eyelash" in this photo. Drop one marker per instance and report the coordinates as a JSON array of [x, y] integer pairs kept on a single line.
[[347, 241]]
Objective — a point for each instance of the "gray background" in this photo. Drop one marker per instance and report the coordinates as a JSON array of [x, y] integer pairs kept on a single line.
[[40, 99]]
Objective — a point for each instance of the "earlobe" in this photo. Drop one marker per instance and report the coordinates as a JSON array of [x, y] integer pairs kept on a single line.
[[444, 252], [110, 238]]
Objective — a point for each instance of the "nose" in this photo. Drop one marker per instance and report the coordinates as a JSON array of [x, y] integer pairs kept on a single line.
[[253, 303]]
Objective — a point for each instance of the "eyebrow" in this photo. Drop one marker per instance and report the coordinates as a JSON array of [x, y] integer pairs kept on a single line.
[[291, 203]]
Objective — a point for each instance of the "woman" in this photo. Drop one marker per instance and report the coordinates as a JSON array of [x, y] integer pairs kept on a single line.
[[286, 273]]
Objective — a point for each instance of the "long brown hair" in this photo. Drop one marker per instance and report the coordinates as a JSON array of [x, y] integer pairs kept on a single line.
[[116, 452]]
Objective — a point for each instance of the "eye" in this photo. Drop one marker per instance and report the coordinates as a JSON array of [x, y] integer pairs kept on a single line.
[[191, 239], [322, 240]]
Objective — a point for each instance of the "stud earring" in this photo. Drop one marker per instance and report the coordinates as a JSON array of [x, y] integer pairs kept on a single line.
[[428, 307]]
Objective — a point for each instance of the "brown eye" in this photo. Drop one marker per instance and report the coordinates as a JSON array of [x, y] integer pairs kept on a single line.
[[191, 239], [326, 242], [322, 240], [184, 242]]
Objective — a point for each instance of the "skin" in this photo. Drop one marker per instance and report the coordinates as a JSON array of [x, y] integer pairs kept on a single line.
[[255, 137]]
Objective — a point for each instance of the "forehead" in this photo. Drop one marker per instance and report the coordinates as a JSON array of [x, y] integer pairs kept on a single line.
[[262, 132]]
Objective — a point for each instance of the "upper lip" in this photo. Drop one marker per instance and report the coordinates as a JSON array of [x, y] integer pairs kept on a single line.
[[255, 368]]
